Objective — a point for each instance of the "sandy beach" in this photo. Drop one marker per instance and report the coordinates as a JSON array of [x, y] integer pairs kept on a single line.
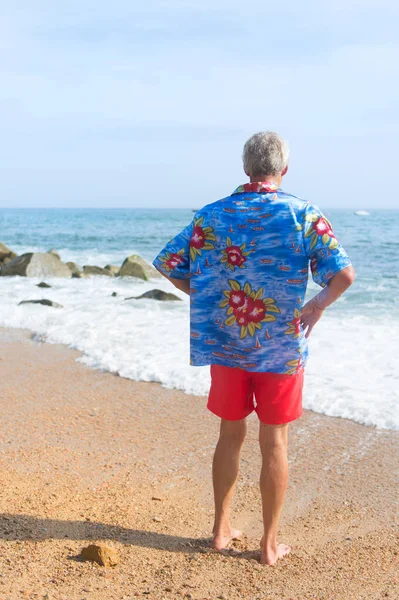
[[86, 456]]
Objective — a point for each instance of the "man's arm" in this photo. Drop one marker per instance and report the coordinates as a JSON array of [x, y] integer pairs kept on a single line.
[[181, 284], [314, 309]]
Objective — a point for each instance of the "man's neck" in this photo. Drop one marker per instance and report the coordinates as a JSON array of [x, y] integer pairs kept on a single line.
[[277, 179]]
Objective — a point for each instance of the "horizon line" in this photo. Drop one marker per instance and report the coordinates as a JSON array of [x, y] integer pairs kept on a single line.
[[165, 208]]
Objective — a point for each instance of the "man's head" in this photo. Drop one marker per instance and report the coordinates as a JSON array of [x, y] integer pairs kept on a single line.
[[265, 156]]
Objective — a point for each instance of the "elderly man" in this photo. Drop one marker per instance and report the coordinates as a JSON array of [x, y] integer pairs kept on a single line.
[[244, 262]]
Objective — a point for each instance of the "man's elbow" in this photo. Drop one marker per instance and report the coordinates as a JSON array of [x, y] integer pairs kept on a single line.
[[347, 276]]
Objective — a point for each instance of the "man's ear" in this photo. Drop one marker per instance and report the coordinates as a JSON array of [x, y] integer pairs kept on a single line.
[[284, 171]]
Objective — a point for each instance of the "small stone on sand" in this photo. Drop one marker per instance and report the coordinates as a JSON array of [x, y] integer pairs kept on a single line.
[[103, 555]]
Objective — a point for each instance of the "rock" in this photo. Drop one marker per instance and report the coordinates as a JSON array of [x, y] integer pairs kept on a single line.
[[103, 555], [114, 294], [135, 266], [155, 295], [7, 259], [54, 253], [6, 253], [93, 270], [36, 264], [78, 275], [74, 268], [43, 284], [131, 268], [43, 301], [113, 269]]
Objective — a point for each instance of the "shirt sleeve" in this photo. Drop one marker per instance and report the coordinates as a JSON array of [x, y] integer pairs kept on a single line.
[[326, 255], [174, 259]]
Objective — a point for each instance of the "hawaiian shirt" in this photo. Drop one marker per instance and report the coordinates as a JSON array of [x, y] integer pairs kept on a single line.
[[248, 257]]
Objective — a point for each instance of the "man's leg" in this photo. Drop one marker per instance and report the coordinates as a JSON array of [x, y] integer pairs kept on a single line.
[[273, 441], [225, 472]]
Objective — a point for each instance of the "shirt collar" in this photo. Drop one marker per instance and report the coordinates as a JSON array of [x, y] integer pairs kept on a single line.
[[257, 187]]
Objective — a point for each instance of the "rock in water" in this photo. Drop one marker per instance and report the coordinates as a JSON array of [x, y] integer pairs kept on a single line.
[[6, 254], [155, 295], [74, 268], [131, 268], [43, 284], [7, 259], [36, 264], [103, 555], [43, 301], [113, 269], [135, 266], [93, 270], [114, 294]]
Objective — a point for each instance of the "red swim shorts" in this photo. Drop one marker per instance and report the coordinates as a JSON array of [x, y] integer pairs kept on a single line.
[[278, 397]]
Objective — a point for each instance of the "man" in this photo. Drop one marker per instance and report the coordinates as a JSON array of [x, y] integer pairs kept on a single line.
[[244, 263]]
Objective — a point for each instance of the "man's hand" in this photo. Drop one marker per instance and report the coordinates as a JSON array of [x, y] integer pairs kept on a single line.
[[313, 310], [310, 314]]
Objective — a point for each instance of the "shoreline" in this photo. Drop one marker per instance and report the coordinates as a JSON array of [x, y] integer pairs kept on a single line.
[[87, 455], [148, 340], [19, 333]]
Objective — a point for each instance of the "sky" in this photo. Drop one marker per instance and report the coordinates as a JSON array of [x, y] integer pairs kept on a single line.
[[148, 104]]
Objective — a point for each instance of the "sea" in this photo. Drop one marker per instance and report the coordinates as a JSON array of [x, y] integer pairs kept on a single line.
[[353, 369]]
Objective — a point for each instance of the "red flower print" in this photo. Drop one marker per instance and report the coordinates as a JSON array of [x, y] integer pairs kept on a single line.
[[246, 307], [198, 237], [257, 314], [237, 298], [174, 261], [322, 226], [297, 324], [242, 319], [235, 256], [244, 310], [258, 187], [294, 326], [202, 238]]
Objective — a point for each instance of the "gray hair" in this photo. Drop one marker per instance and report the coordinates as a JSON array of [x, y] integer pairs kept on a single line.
[[265, 153]]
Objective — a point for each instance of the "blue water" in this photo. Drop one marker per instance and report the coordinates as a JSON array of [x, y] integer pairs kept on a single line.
[[353, 370], [89, 234], [87, 231]]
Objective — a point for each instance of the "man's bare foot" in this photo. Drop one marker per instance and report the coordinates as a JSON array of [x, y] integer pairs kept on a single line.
[[269, 556], [220, 541]]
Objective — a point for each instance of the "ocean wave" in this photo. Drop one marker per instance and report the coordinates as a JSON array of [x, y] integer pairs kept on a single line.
[[352, 372]]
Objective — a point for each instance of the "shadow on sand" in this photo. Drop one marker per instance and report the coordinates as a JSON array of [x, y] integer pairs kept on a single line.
[[34, 529]]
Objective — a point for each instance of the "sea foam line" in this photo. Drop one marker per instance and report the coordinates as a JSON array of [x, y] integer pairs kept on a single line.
[[352, 372]]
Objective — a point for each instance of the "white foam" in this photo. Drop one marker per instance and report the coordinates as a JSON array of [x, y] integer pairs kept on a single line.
[[352, 372]]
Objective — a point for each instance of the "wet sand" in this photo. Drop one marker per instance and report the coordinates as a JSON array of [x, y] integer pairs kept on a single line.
[[87, 456]]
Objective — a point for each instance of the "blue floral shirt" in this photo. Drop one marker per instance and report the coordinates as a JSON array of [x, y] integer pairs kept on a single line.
[[248, 257]]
